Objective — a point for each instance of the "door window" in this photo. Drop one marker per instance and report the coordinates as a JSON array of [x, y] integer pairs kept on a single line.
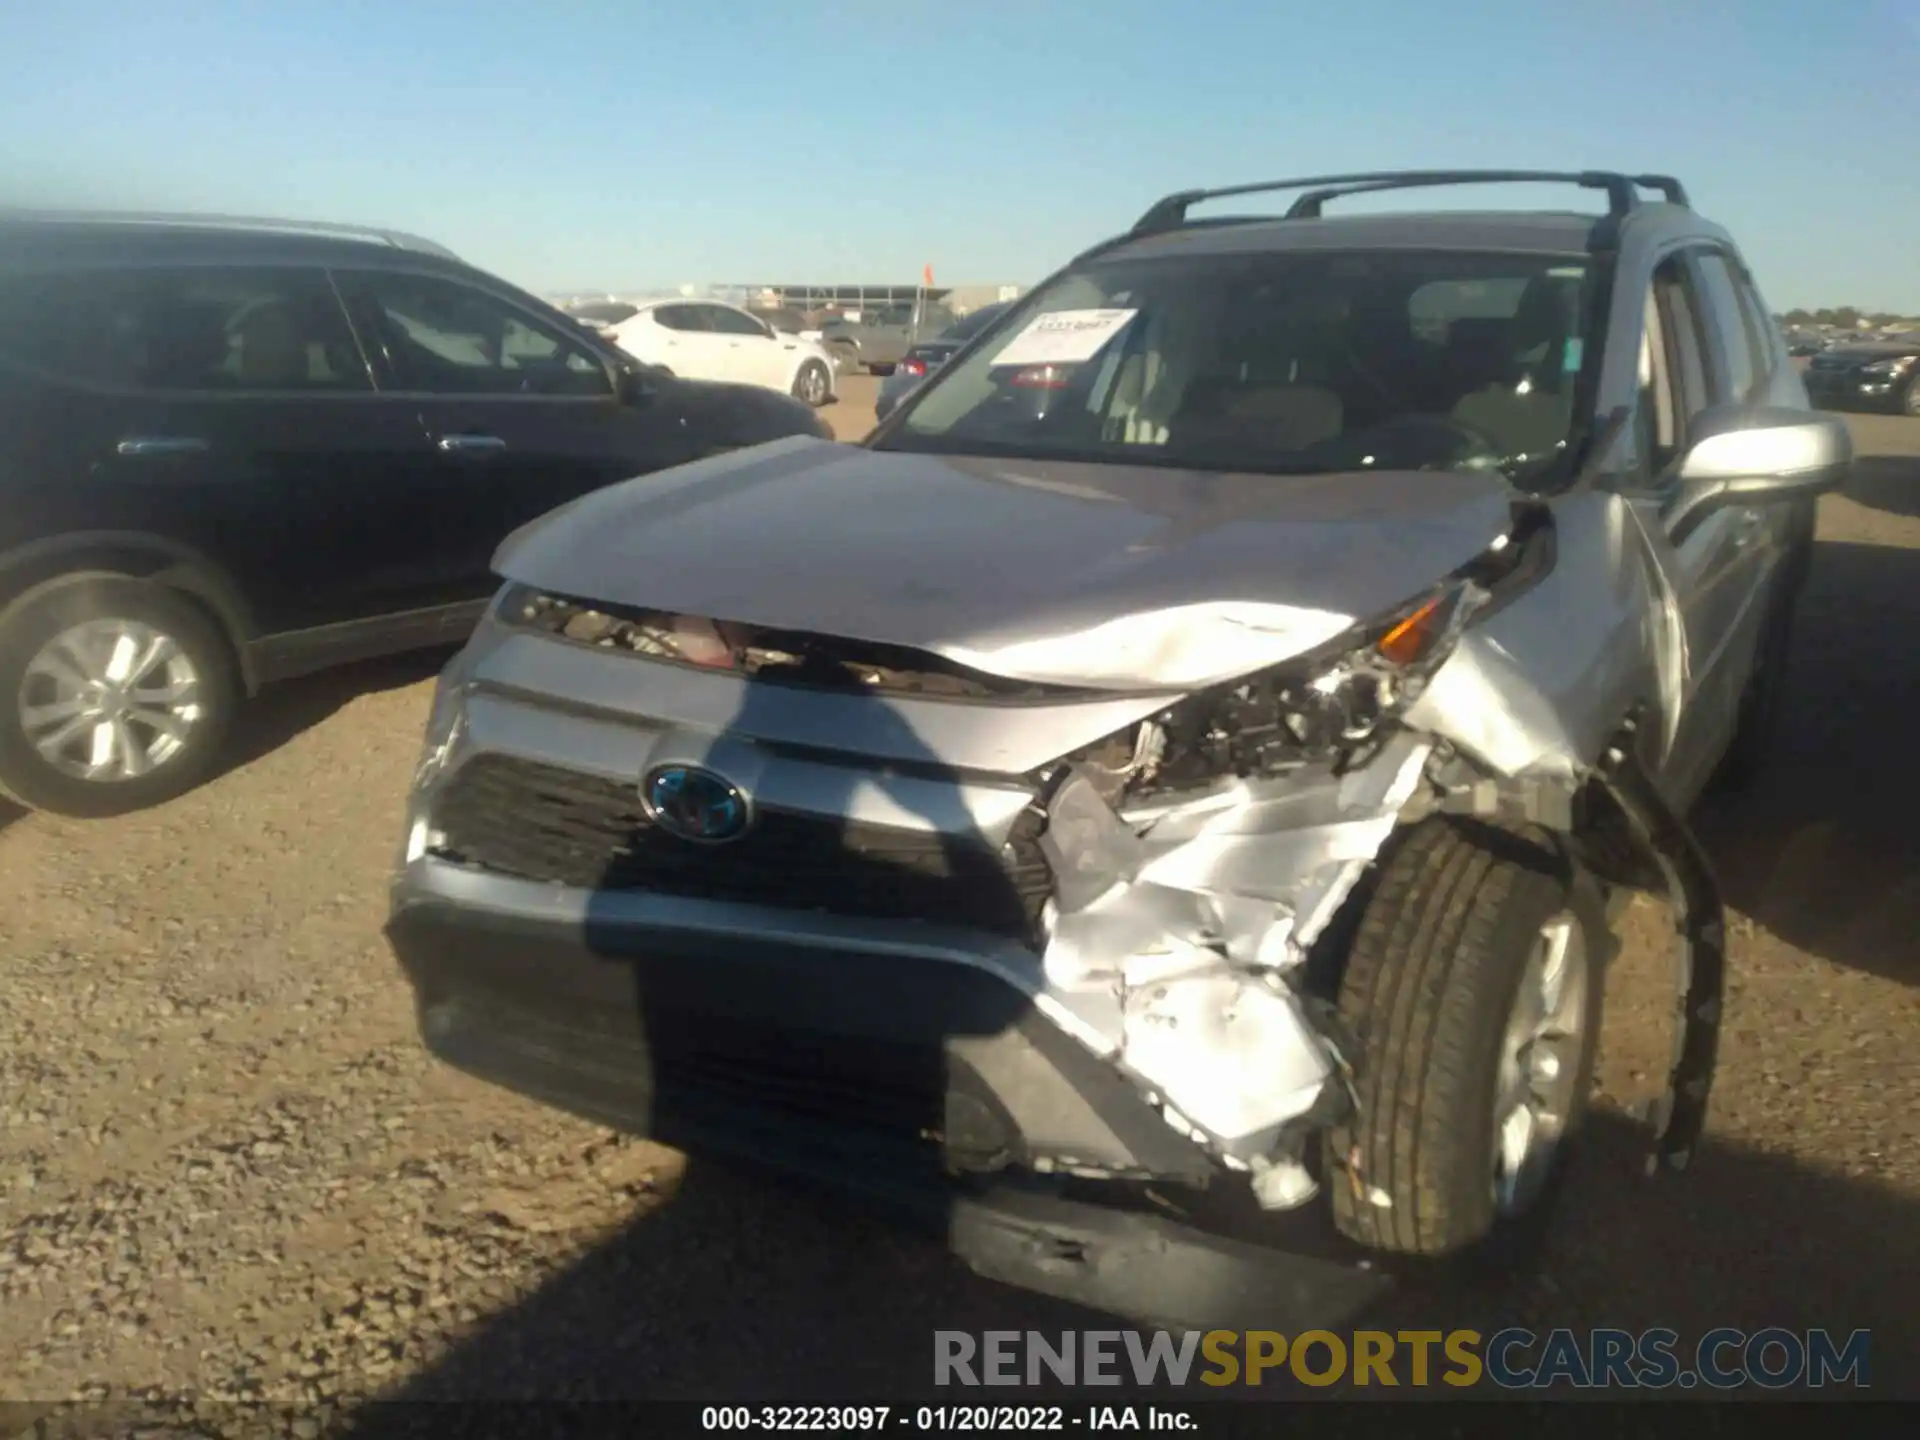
[[1673, 372], [183, 331], [445, 338], [684, 318], [1761, 331], [1720, 290], [731, 322]]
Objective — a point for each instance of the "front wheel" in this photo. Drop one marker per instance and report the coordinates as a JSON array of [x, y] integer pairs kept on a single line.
[[114, 695], [812, 385], [1472, 990]]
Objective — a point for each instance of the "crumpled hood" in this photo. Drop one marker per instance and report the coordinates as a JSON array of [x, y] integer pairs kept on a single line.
[[1134, 578]]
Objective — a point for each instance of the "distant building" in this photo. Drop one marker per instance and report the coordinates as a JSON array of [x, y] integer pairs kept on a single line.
[[817, 297], [965, 298], [814, 298]]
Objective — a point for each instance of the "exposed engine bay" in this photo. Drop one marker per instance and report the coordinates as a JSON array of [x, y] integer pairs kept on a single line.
[[791, 657]]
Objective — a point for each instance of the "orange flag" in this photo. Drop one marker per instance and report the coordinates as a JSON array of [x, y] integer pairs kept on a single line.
[[926, 277]]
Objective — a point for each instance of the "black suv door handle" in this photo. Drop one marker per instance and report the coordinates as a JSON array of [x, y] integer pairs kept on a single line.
[[144, 445], [472, 444]]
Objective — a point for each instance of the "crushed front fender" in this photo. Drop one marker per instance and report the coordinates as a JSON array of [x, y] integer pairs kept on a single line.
[[1176, 931]]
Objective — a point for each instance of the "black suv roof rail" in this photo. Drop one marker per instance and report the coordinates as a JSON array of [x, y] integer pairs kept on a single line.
[[400, 239], [1170, 212]]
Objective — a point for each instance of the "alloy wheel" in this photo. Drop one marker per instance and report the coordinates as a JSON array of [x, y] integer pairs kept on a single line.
[[110, 700], [1540, 1064]]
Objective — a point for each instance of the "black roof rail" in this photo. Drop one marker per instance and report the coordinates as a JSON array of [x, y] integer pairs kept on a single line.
[[1674, 192], [400, 239], [1171, 211]]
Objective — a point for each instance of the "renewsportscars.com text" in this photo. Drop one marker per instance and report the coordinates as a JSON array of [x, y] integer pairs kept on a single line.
[[1511, 1359]]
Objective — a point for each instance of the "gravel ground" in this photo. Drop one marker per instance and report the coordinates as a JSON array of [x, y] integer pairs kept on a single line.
[[227, 1167]]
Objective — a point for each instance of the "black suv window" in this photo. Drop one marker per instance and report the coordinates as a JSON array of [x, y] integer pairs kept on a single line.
[[723, 321], [608, 312], [445, 338], [188, 330]]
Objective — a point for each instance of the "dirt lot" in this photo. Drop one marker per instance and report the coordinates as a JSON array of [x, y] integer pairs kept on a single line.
[[226, 1165]]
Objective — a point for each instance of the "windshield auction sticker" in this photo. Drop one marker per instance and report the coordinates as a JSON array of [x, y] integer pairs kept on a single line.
[[1064, 337]]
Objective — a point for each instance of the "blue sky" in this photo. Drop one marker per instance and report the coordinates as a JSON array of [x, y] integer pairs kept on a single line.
[[584, 144]]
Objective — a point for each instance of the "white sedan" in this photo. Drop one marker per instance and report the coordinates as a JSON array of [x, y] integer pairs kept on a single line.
[[706, 340]]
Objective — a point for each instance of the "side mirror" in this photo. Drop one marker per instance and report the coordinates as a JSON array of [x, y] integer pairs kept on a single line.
[[640, 385], [1743, 456]]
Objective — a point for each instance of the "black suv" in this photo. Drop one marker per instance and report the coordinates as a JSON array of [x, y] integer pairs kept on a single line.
[[237, 451]]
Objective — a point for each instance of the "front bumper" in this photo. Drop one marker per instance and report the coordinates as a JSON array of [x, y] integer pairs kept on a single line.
[[871, 1052], [900, 870], [730, 1045]]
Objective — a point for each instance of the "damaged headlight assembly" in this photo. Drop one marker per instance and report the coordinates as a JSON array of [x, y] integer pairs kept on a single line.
[[1331, 708], [1199, 852]]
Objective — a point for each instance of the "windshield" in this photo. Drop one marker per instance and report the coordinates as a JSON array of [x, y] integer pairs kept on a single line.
[[968, 326], [1279, 363]]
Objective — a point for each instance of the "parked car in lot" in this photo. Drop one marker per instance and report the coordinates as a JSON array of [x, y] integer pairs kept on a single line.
[[706, 340], [929, 355], [601, 316], [1879, 375], [880, 339], [232, 452], [1216, 778], [789, 321]]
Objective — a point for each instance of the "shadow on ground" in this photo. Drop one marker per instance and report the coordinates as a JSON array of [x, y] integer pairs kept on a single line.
[[745, 1289], [1886, 482], [1825, 852], [282, 712]]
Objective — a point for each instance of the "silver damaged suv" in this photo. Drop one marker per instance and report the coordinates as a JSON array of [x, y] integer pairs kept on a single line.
[[1194, 744]]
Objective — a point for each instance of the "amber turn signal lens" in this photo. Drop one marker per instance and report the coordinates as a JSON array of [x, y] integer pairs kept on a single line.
[[1408, 641]]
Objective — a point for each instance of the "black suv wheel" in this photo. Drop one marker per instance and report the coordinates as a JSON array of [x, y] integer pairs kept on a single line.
[[114, 695]]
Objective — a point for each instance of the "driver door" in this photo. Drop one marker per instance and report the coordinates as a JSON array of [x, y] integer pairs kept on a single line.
[[1708, 574]]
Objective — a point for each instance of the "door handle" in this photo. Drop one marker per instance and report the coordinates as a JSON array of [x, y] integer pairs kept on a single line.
[[140, 446], [472, 444]]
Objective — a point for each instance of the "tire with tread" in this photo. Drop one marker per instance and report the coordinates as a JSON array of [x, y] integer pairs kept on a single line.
[[31, 619], [1435, 963]]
